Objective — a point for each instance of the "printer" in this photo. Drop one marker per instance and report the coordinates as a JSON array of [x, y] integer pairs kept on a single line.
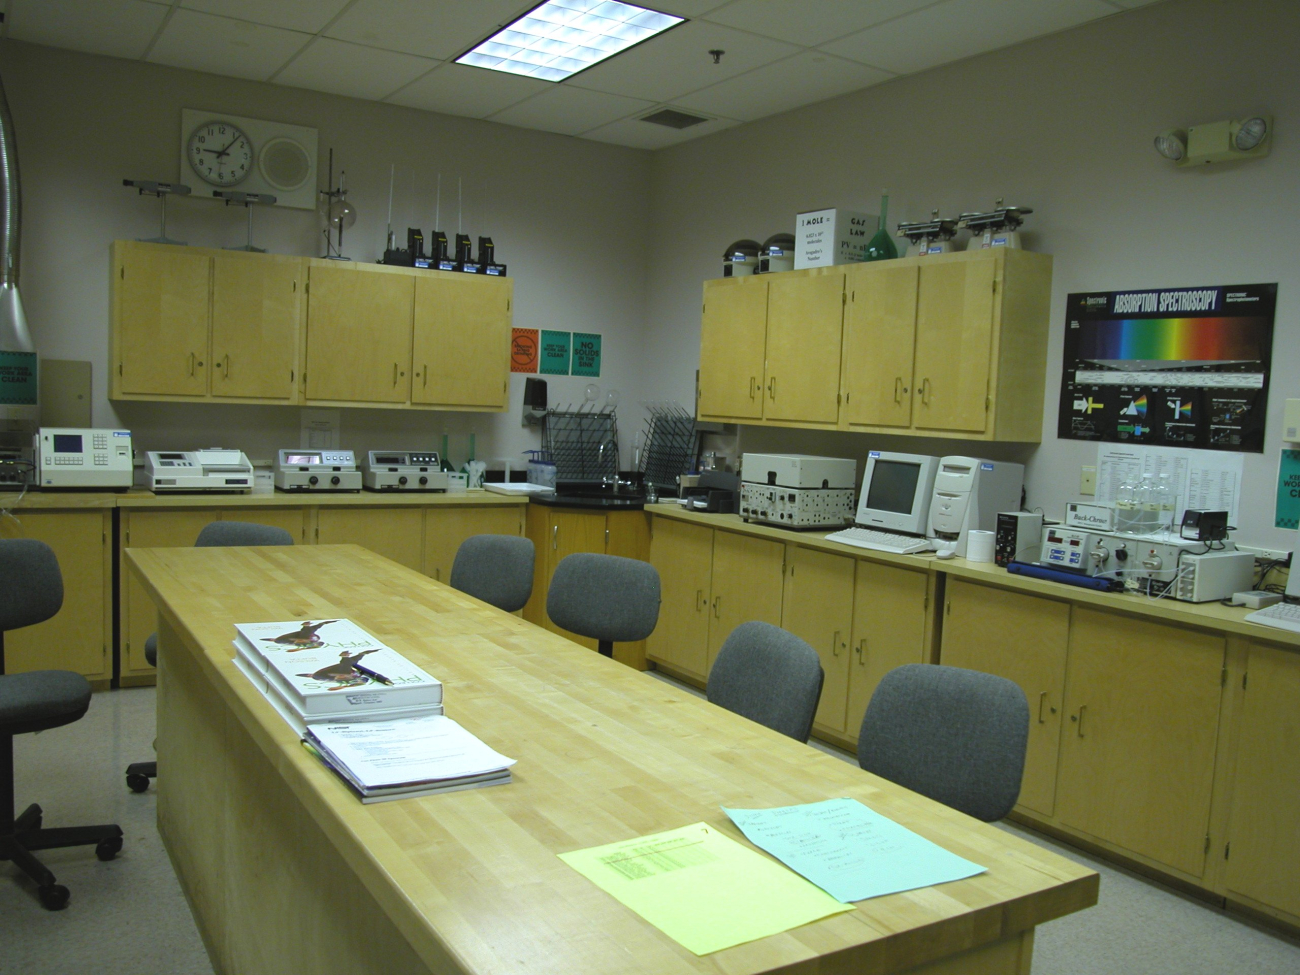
[[214, 469], [968, 494], [403, 470], [308, 469]]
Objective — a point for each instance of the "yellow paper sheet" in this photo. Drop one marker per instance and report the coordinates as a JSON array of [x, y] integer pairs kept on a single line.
[[702, 888]]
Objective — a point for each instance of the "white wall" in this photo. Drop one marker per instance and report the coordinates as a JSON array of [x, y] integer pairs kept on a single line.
[[569, 217], [1063, 124]]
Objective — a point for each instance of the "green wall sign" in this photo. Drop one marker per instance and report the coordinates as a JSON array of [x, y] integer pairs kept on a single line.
[[18, 378], [554, 357], [586, 354]]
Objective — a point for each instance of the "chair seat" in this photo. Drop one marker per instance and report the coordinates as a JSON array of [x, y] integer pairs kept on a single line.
[[41, 699]]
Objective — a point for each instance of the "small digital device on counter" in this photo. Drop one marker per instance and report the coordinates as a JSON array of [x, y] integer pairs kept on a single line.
[[17, 467], [403, 470], [968, 493], [317, 470], [1018, 537], [713, 491], [797, 490], [211, 470], [1204, 526], [83, 458]]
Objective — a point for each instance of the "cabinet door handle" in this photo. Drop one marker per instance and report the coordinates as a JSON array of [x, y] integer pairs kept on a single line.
[[717, 607], [1042, 699], [699, 600], [227, 365], [925, 392], [835, 644], [753, 386], [607, 539], [555, 537], [426, 374], [862, 652], [1082, 710], [771, 388], [394, 373], [191, 363], [898, 389]]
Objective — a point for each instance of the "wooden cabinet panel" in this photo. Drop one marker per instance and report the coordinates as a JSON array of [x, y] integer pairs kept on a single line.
[[394, 533], [1138, 744], [292, 520], [748, 579], [77, 637], [732, 334], [805, 314], [255, 310], [160, 297], [461, 350], [445, 528], [889, 608], [819, 610], [1265, 829], [359, 333], [954, 337], [879, 342], [683, 555], [1024, 639], [572, 532]]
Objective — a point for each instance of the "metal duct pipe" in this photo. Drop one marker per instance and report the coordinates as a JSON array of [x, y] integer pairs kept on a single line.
[[14, 336]]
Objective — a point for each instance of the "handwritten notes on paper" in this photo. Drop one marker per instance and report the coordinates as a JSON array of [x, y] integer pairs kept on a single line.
[[848, 850]]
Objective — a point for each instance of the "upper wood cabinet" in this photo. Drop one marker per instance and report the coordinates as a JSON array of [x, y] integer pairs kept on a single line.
[[804, 323], [461, 350], [732, 345], [256, 307], [879, 339]]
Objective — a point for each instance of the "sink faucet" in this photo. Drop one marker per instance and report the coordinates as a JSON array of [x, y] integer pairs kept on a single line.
[[608, 480]]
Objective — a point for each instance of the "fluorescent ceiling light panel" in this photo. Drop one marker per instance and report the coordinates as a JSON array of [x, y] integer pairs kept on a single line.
[[562, 37]]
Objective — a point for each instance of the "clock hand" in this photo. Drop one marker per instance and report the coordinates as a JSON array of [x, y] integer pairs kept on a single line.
[[228, 145]]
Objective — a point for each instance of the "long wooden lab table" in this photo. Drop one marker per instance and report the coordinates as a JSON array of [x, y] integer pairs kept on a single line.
[[287, 871]]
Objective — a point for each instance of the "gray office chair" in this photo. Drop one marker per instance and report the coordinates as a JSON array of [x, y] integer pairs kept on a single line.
[[957, 736], [32, 592], [497, 569], [218, 534], [612, 599], [770, 676]]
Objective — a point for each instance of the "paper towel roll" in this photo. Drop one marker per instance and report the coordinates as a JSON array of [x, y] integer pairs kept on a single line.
[[979, 545]]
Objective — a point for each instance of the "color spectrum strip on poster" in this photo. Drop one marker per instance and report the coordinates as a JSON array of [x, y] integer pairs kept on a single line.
[[1176, 339]]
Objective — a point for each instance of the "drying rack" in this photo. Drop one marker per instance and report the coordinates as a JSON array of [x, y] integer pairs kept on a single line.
[[574, 440], [670, 441]]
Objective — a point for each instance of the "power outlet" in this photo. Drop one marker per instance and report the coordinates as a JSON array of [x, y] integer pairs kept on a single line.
[[1088, 481], [1267, 554]]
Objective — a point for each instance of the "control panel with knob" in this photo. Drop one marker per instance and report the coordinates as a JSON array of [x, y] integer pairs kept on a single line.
[[317, 470], [403, 470]]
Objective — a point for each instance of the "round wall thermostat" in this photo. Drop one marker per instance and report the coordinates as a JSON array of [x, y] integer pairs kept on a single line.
[[284, 163]]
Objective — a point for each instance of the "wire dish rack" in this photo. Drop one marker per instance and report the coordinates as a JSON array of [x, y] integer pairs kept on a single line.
[[669, 445], [582, 443]]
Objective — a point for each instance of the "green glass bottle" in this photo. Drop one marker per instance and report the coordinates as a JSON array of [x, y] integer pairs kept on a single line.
[[881, 246]]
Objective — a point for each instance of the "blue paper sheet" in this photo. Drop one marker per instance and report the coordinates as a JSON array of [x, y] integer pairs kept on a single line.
[[848, 850]]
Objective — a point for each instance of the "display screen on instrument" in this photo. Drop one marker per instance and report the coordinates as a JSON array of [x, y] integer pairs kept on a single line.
[[390, 459], [171, 456], [893, 486], [67, 443], [302, 458]]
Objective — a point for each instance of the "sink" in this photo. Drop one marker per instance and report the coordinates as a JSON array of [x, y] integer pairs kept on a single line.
[[583, 495]]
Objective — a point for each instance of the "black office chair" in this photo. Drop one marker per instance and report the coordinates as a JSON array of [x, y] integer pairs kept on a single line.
[[768, 675], [497, 569], [31, 593], [219, 534], [607, 597]]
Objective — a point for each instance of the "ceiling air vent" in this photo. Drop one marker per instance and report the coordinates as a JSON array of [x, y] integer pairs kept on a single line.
[[674, 119]]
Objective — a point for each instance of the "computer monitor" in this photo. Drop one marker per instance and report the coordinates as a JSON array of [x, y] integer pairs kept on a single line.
[[896, 490]]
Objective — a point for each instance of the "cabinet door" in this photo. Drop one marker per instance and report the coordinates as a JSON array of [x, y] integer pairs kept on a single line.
[[292, 520], [879, 341], [1024, 639], [747, 581], [76, 637], [572, 532], [889, 609], [255, 307], [445, 528], [732, 333], [819, 610], [1138, 746], [1265, 829], [461, 351], [394, 533], [161, 327], [954, 338], [805, 316], [359, 334], [683, 555]]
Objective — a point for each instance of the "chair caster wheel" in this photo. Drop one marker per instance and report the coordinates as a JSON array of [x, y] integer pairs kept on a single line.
[[138, 783], [109, 848], [54, 897]]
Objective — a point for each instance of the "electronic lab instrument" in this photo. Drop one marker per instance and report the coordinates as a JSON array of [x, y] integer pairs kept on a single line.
[[740, 260], [81, 458], [403, 470], [776, 254], [968, 493], [212, 470], [797, 490], [999, 227], [933, 236], [1018, 537], [17, 467], [317, 470]]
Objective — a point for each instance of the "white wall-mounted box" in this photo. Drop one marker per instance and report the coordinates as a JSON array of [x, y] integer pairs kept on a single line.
[[826, 237], [1291, 421]]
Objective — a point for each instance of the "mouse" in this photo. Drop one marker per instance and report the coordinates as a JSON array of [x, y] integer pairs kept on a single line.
[[946, 553]]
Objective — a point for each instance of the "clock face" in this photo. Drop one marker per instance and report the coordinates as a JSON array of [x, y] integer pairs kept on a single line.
[[219, 153]]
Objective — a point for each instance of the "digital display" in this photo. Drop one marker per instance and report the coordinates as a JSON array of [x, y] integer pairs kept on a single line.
[[302, 458], [67, 443], [390, 459], [171, 456], [893, 486]]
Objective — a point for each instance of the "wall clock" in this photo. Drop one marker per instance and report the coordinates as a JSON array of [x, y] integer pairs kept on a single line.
[[219, 153], [281, 157]]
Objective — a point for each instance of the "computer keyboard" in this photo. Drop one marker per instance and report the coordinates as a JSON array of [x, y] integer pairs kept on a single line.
[[1286, 616], [881, 541]]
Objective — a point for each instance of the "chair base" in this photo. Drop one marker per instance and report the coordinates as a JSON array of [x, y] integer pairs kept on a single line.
[[138, 775], [27, 835]]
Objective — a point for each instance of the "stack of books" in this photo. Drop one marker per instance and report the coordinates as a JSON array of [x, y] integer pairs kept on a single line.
[[371, 715]]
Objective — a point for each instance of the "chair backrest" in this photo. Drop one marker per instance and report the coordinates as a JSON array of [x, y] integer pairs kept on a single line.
[[957, 736], [229, 534], [770, 676], [31, 585], [607, 597], [497, 569]]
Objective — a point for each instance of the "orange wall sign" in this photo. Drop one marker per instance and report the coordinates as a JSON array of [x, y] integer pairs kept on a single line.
[[523, 350]]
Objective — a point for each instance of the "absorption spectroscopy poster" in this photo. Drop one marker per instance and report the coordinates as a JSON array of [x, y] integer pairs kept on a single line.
[[1183, 367]]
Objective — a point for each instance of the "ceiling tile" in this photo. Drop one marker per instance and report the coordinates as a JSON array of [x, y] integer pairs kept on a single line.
[[432, 30], [678, 61], [960, 28], [811, 23], [350, 69], [810, 76], [455, 89], [119, 28], [646, 135], [684, 8], [570, 110], [1130, 4], [224, 46], [308, 16]]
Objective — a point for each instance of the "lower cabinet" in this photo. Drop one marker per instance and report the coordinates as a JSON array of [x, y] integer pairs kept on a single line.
[[394, 533], [445, 527], [79, 636], [748, 578], [819, 610]]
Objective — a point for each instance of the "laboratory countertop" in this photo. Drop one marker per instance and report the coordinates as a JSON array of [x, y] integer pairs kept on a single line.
[[139, 498]]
